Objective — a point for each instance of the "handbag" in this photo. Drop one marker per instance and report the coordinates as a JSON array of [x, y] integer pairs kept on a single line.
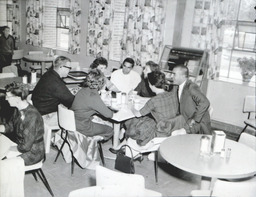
[[124, 163]]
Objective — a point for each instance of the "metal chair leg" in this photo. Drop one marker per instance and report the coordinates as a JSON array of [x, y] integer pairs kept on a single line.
[[34, 175], [156, 166], [241, 132], [44, 180], [101, 153], [59, 151]]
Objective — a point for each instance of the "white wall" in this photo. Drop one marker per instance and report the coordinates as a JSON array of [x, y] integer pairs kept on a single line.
[[227, 101]]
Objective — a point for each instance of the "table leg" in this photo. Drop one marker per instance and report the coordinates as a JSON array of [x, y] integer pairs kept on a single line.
[[116, 135], [205, 183], [43, 67]]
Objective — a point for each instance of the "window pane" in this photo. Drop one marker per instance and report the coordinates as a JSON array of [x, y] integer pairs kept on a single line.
[[62, 38], [247, 12]]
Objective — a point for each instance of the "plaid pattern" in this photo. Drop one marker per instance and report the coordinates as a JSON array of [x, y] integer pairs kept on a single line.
[[162, 107]]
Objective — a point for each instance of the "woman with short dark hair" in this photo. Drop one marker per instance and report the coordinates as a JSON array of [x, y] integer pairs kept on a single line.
[[87, 103], [26, 126]]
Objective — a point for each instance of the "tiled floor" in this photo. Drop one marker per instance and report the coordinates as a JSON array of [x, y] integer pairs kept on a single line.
[[172, 181]]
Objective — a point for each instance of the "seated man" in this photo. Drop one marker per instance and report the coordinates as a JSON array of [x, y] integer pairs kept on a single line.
[[125, 79], [51, 90], [193, 103]]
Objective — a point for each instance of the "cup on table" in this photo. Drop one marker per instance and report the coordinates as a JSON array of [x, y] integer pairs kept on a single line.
[[119, 97]]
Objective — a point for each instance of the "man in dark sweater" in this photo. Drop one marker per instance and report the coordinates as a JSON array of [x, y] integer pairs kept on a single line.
[[51, 91], [6, 47]]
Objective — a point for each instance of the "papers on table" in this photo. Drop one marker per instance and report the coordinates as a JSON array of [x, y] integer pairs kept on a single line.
[[5, 144]]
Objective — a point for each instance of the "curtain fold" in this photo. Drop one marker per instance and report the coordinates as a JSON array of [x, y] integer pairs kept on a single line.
[[143, 30], [75, 27], [16, 20], [34, 13]]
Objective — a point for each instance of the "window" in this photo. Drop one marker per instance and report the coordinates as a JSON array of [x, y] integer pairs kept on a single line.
[[6, 13], [239, 32], [56, 18]]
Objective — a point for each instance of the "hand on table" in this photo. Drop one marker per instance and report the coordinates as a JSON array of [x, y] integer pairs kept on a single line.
[[192, 122]]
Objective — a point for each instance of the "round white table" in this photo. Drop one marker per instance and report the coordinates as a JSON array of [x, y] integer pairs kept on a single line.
[[183, 152], [41, 58]]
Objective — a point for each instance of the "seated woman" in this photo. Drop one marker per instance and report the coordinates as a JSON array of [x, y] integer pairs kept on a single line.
[[26, 126], [164, 107], [101, 63], [87, 103], [143, 88]]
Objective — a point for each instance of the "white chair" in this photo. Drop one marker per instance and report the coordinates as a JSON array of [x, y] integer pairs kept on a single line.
[[249, 107], [248, 140], [37, 168], [151, 147], [7, 75], [115, 184], [11, 69], [222, 188], [67, 124]]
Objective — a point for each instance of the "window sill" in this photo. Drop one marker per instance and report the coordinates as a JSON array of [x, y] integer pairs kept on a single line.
[[235, 81]]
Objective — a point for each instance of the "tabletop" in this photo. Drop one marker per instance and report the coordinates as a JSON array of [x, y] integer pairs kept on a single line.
[[38, 58], [183, 151]]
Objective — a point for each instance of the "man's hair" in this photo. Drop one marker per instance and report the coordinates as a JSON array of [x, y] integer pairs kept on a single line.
[[129, 60], [18, 89], [5, 27], [153, 66], [60, 61], [157, 79], [184, 69], [94, 80], [98, 61]]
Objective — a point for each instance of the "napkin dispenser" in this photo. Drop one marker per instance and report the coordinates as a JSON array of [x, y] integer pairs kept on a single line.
[[218, 141]]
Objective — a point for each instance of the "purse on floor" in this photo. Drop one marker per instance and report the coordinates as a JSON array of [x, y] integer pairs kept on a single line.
[[124, 163]]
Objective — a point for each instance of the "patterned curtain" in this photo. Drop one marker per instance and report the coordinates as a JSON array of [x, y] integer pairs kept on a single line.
[[34, 10], [16, 20], [143, 30], [75, 27], [99, 28]]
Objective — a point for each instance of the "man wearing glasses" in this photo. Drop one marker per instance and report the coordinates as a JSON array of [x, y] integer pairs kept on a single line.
[[125, 79], [51, 91]]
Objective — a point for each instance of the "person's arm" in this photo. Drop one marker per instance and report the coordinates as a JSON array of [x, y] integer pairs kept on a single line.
[[101, 108], [202, 104], [64, 95], [111, 86]]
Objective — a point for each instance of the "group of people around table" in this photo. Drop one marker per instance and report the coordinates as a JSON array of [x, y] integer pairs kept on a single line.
[[182, 107]]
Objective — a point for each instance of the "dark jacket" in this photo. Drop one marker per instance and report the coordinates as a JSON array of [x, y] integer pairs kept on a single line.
[[49, 92]]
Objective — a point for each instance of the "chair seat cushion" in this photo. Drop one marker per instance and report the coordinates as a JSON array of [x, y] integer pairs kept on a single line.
[[251, 122]]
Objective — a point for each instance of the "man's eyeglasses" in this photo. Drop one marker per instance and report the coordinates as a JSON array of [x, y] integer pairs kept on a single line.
[[124, 66], [67, 67]]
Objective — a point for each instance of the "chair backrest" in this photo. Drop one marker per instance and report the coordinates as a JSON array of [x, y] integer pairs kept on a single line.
[[7, 75], [249, 104], [239, 188], [248, 140], [11, 69], [18, 54], [210, 110], [35, 52], [106, 177], [66, 118]]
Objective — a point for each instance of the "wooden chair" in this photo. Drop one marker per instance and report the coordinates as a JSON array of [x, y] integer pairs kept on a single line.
[[250, 108], [115, 184], [68, 126]]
